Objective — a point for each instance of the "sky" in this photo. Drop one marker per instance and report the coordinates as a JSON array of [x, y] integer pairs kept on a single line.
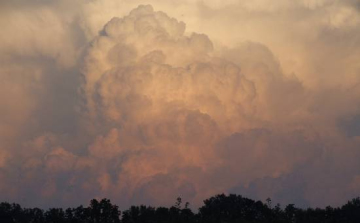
[[142, 102]]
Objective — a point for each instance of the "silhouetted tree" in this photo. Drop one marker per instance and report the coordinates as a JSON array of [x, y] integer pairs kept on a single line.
[[55, 215], [220, 209], [350, 212], [233, 208], [103, 212]]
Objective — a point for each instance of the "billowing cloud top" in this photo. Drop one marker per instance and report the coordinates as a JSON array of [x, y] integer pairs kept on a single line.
[[119, 100]]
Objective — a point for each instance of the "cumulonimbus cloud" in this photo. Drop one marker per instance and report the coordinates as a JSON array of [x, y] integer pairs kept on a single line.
[[145, 112]]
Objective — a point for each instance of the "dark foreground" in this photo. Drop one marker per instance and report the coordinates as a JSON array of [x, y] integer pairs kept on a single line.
[[218, 209]]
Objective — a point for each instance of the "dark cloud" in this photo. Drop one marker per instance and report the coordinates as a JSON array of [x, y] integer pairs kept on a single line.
[[351, 126]]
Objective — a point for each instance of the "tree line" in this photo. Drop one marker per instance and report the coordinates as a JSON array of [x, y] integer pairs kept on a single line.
[[218, 209]]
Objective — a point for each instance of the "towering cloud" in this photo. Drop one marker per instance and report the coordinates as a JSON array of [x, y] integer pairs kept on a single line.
[[143, 110]]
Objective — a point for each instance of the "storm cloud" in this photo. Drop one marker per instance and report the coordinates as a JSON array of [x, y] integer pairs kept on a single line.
[[145, 103]]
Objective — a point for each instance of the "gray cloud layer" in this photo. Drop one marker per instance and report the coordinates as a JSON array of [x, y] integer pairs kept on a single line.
[[111, 99]]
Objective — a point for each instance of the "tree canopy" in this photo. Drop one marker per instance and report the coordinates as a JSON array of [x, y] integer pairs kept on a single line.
[[217, 209]]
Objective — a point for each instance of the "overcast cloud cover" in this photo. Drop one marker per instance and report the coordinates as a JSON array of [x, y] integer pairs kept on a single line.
[[145, 101]]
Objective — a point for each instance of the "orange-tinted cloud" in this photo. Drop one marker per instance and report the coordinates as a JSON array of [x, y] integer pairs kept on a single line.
[[142, 110]]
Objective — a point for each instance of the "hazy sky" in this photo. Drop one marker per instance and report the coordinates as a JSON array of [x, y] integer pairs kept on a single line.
[[145, 101]]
